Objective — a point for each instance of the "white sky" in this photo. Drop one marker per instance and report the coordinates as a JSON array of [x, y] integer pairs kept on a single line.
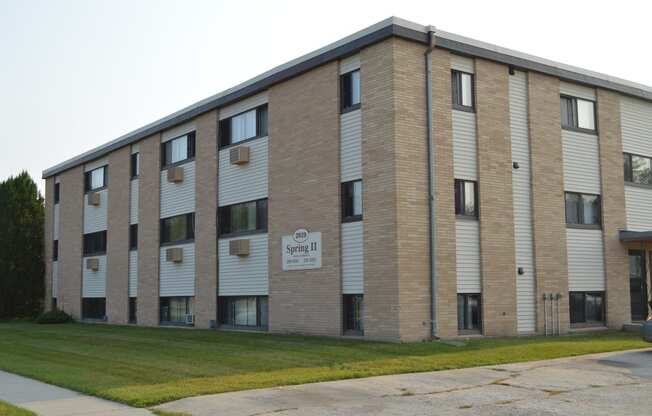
[[77, 73]]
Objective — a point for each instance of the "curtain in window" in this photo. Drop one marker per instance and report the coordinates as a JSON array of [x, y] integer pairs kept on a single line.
[[467, 90], [585, 115], [97, 178], [243, 126], [179, 149]]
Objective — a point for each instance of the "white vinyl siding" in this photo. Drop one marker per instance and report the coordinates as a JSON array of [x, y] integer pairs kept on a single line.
[[585, 260], [55, 279], [244, 105], [352, 258], [247, 182], [94, 282], [467, 242], [636, 125], [465, 145], [95, 217], [638, 203], [55, 232], [351, 146], [133, 201], [576, 90], [244, 275], [178, 198], [133, 273], [581, 162], [522, 194], [462, 63], [177, 131], [97, 163], [349, 64], [178, 279]]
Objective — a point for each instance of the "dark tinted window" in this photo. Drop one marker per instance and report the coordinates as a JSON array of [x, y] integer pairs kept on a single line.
[[133, 237], [95, 179], [94, 308], [586, 307], [132, 310], [95, 243], [469, 312], [353, 313], [350, 90], [178, 150], [243, 311], [466, 198], [55, 250], [352, 201], [582, 209], [178, 229], [56, 193], [247, 217], [135, 165]]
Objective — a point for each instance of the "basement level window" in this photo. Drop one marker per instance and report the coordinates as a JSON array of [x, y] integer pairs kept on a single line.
[[350, 91], [463, 91], [582, 209], [243, 311], [587, 307], [638, 169], [469, 312], [132, 310], [178, 310], [94, 308], [577, 114], [353, 308]]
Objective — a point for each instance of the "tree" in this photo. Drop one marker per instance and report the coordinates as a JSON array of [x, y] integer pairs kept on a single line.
[[22, 267]]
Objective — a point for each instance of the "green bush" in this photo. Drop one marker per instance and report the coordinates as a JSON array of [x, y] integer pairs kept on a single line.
[[54, 317]]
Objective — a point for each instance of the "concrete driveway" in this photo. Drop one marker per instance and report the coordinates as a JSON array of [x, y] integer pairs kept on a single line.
[[602, 384]]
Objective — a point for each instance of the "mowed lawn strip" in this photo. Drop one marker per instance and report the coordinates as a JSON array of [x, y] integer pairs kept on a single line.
[[147, 366], [7, 409]]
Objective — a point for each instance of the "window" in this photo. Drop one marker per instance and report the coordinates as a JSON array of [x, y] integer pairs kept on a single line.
[[95, 179], [638, 169], [466, 198], [350, 91], [353, 314], [135, 165], [469, 312], [245, 218], [582, 209], [95, 243], [54, 304], [463, 94], [243, 311], [133, 237], [586, 307], [352, 201], [577, 113], [247, 125], [55, 250], [178, 229], [94, 308], [132, 310], [178, 150], [56, 193], [175, 309]]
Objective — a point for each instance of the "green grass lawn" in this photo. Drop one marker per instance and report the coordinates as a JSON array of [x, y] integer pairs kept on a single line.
[[8, 410], [147, 366]]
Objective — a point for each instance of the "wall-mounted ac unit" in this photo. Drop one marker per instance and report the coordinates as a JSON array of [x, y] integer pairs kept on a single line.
[[175, 174], [94, 198], [190, 319], [239, 155], [239, 247], [174, 254], [93, 264]]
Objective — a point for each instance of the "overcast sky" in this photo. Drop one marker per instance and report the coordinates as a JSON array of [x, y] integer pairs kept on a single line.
[[77, 73]]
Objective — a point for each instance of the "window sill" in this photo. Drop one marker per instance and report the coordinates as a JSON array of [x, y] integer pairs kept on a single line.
[[350, 109], [464, 108], [178, 243], [241, 142], [354, 218], [466, 217], [179, 163], [580, 130], [584, 226], [242, 234], [638, 185]]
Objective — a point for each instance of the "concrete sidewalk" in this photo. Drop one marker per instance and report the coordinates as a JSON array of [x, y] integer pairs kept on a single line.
[[594, 385], [47, 400]]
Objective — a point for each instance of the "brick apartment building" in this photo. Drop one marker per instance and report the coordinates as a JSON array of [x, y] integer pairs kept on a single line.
[[398, 184]]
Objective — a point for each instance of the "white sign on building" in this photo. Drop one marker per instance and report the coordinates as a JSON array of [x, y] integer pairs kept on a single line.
[[301, 250]]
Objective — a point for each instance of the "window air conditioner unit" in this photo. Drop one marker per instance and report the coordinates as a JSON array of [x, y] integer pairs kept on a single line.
[[93, 264], [239, 155], [190, 319], [239, 247], [174, 255], [94, 198], [175, 174]]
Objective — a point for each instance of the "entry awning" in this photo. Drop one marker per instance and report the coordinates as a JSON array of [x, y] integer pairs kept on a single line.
[[627, 236]]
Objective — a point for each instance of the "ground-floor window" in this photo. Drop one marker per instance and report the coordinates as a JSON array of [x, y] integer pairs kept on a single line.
[[178, 310], [243, 311], [469, 312], [54, 304], [353, 308], [94, 308], [587, 307], [132, 310]]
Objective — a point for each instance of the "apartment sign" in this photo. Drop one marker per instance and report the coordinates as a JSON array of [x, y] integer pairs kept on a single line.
[[301, 250]]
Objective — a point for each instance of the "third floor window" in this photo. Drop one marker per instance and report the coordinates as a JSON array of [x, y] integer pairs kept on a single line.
[[577, 113]]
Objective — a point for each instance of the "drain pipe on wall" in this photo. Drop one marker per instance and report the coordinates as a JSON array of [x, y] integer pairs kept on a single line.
[[431, 185]]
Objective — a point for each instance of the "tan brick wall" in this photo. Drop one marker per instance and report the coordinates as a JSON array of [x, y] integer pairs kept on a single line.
[[444, 195], [412, 190], [205, 220], [47, 241], [70, 240], [614, 217], [498, 263], [549, 219], [117, 277], [381, 286], [148, 231], [304, 188]]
